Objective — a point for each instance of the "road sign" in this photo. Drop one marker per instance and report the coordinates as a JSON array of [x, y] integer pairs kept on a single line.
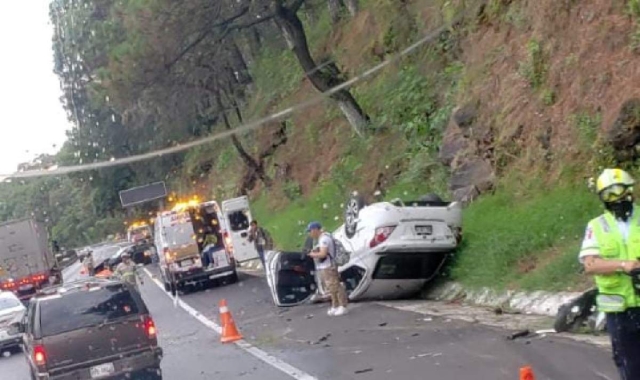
[[142, 194]]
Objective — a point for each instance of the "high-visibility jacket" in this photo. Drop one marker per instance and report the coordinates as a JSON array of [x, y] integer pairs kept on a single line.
[[616, 291], [127, 273]]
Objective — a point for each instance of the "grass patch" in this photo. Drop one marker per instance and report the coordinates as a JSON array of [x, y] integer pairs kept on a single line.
[[287, 226], [503, 229], [535, 67]]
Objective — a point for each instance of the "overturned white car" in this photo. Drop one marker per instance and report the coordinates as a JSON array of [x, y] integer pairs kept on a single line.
[[395, 249]]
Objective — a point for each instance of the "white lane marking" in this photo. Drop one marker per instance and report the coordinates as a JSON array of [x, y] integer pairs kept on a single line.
[[243, 344]]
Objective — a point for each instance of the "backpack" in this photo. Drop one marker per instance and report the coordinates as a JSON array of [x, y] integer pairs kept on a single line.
[[341, 255], [268, 240]]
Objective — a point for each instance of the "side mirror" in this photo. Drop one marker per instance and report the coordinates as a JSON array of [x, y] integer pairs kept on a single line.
[[16, 328]]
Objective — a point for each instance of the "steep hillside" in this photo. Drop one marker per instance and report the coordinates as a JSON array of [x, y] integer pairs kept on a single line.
[[515, 102]]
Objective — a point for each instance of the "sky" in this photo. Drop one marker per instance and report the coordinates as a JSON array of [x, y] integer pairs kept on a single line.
[[32, 119]]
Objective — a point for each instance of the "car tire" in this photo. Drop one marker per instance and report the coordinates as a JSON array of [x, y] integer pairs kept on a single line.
[[152, 373], [352, 210], [431, 197], [233, 278]]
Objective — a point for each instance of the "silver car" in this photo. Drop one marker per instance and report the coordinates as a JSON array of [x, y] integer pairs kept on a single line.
[[11, 311]]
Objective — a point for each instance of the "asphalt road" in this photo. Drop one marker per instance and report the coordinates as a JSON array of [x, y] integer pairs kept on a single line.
[[372, 342]]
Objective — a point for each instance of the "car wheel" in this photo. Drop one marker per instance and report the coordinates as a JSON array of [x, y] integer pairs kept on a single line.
[[352, 210], [152, 373], [431, 197], [231, 279]]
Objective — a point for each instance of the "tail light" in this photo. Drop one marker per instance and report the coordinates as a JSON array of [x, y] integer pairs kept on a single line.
[[39, 355], [8, 285], [381, 235], [150, 327]]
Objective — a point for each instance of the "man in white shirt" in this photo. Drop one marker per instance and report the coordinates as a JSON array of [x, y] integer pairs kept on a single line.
[[323, 255]]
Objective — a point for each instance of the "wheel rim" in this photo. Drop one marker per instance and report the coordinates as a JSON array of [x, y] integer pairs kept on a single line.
[[351, 213]]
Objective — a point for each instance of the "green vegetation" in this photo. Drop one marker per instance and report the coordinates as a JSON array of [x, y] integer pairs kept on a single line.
[[588, 126], [505, 231], [524, 235], [534, 68]]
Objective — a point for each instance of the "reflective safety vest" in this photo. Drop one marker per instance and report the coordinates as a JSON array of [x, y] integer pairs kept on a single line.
[[615, 291], [127, 273]]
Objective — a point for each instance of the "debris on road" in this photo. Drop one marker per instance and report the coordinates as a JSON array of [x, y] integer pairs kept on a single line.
[[519, 334], [363, 371], [322, 339]]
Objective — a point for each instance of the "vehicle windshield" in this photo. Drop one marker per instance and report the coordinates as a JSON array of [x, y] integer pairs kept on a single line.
[[8, 303], [85, 308]]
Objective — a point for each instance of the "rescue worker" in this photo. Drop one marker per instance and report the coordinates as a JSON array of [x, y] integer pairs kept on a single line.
[[127, 271], [89, 264], [323, 255], [610, 252]]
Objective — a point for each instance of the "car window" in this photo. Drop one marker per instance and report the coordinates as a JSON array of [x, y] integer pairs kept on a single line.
[[238, 220], [85, 308], [8, 303]]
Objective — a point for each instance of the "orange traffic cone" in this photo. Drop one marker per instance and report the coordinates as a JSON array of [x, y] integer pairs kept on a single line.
[[224, 312], [230, 332], [526, 373]]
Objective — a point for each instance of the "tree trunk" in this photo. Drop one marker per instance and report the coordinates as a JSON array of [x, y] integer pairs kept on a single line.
[[335, 6], [255, 169], [352, 6], [324, 79]]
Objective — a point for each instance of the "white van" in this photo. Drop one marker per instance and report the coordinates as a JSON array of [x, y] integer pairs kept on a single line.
[[237, 217], [180, 235]]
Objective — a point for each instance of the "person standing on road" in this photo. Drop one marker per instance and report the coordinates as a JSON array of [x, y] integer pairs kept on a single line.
[[89, 264], [127, 271], [323, 255], [260, 237], [611, 252]]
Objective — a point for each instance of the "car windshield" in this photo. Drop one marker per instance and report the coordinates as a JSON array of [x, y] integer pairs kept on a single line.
[[86, 308], [8, 303], [239, 220]]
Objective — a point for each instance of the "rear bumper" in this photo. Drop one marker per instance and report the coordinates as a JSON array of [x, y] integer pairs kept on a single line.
[[124, 367], [416, 246], [203, 275]]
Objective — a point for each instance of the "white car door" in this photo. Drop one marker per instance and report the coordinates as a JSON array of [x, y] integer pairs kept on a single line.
[[291, 277], [237, 216]]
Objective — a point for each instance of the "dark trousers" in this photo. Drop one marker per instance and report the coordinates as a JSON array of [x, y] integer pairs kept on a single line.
[[624, 329], [261, 254]]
